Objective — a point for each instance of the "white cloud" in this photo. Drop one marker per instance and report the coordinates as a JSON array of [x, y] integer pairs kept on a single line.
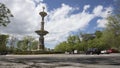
[[26, 18], [38, 1], [86, 7], [103, 13], [102, 23], [60, 22], [98, 10]]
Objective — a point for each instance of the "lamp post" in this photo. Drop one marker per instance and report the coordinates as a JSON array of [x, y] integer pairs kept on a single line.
[[42, 32]]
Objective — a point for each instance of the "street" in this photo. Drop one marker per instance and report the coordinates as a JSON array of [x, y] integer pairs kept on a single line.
[[60, 61]]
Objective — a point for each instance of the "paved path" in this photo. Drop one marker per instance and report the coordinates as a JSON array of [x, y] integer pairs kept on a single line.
[[60, 61]]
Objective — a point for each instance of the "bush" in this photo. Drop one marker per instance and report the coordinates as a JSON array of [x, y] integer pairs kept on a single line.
[[35, 52]]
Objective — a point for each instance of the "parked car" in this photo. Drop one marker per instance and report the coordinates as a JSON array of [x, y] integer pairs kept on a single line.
[[108, 51], [3, 53], [112, 51], [105, 52], [93, 51]]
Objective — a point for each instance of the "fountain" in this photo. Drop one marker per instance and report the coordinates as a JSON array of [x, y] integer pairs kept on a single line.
[[42, 32]]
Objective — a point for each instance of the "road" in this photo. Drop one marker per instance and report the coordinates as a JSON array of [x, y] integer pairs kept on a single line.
[[60, 61]]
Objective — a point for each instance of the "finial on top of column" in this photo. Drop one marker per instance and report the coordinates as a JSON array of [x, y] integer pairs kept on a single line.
[[43, 8], [43, 14]]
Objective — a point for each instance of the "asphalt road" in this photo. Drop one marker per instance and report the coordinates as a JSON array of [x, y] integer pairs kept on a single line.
[[60, 61]]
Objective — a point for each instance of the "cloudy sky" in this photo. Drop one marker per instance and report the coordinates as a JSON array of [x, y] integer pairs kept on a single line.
[[65, 17]]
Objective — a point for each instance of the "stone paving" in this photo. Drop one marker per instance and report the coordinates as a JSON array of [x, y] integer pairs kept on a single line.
[[55, 65], [60, 61]]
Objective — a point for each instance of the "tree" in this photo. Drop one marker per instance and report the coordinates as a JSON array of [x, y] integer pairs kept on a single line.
[[3, 41], [12, 42], [112, 32], [70, 44], [73, 41], [86, 37], [82, 46], [20, 45], [5, 15], [25, 44], [34, 45], [98, 34], [62, 47]]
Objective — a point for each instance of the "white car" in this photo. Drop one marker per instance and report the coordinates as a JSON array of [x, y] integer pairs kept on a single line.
[[104, 52]]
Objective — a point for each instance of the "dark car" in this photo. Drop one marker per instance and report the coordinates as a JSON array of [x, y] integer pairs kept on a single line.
[[93, 51], [3, 53]]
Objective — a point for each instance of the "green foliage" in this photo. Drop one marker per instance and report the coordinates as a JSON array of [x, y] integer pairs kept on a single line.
[[5, 15], [62, 47], [97, 43], [12, 42], [27, 44], [34, 45], [98, 34], [95, 40], [81, 46], [21, 46], [72, 41], [69, 45], [86, 37], [111, 34], [35, 52], [3, 40]]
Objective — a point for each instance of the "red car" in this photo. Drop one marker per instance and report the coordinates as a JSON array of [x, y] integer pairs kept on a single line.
[[112, 51]]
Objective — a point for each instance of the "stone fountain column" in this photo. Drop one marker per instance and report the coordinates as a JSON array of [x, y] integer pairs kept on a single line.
[[42, 32]]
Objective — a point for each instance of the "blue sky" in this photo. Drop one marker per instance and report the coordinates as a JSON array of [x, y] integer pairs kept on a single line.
[[65, 17], [52, 4], [77, 3]]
